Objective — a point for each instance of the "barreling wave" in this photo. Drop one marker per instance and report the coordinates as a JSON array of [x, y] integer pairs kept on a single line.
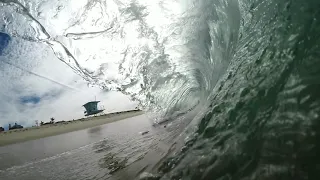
[[251, 65], [168, 59]]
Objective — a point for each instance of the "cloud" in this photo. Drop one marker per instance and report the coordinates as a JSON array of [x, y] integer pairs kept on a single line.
[[35, 85]]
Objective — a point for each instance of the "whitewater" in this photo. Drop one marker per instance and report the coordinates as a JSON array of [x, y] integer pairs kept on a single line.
[[250, 70]]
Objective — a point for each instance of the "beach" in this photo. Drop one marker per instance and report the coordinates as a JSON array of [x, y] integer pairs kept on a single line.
[[32, 133], [115, 151], [96, 153]]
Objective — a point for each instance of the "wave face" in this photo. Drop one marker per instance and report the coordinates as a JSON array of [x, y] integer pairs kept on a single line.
[[251, 65]]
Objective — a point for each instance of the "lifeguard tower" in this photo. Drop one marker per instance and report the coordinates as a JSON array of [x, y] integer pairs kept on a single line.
[[92, 108]]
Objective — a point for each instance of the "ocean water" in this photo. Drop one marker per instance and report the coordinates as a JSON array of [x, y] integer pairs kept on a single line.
[[250, 68]]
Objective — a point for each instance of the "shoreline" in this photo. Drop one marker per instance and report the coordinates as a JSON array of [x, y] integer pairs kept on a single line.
[[33, 133]]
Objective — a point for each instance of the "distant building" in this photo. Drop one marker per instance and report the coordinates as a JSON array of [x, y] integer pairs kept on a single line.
[[92, 108], [1, 129], [15, 126]]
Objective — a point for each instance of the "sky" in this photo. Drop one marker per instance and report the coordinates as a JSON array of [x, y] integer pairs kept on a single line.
[[114, 40], [35, 85]]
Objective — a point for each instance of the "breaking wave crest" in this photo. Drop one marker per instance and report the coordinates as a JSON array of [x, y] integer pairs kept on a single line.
[[168, 55]]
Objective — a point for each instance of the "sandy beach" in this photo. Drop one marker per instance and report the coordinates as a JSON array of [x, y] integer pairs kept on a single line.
[[32, 133]]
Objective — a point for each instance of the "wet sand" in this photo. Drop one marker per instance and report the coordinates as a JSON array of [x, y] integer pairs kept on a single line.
[[113, 151], [26, 134], [95, 153]]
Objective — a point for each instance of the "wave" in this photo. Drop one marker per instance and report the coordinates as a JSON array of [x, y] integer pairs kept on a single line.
[[251, 66]]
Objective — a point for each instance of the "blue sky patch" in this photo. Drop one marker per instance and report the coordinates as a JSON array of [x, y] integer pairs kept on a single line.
[[4, 41], [30, 99]]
